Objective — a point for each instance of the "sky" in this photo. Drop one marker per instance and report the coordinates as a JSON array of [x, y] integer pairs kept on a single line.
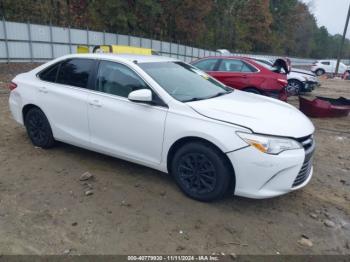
[[330, 13]]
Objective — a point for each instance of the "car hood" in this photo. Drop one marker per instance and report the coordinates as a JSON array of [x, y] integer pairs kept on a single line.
[[282, 63], [260, 114], [301, 71], [302, 76]]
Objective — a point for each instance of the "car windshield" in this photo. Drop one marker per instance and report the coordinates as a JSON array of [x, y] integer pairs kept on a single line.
[[268, 66], [265, 64], [184, 82]]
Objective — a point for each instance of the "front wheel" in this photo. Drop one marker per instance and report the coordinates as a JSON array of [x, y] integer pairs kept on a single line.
[[320, 72], [294, 87], [201, 171], [38, 128]]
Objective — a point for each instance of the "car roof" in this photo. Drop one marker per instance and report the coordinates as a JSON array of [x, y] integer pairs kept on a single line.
[[261, 59], [226, 57], [245, 58], [127, 57]]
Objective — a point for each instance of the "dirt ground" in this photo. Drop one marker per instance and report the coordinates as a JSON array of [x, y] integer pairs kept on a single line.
[[137, 210]]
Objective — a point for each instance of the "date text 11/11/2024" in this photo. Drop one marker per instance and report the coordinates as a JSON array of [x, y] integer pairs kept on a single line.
[[174, 258]]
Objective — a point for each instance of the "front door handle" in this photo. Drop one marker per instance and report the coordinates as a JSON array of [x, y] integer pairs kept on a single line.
[[43, 89], [95, 103]]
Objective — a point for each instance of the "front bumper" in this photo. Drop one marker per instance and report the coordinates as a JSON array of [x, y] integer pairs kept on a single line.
[[309, 86], [260, 175]]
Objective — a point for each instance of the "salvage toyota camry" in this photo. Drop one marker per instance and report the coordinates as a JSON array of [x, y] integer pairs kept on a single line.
[[167, 115]]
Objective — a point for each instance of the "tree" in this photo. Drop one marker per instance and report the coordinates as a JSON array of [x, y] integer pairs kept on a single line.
[[255, 24], [322, 43], [281, 27], [304, 41]]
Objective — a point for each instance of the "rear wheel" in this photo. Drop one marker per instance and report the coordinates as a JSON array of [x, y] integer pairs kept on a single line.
[[252, 90], [38, 128], [201, 171], [320, 72]]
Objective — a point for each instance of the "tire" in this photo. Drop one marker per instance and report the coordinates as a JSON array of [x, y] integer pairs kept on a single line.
[[294, 87], [201, 171], [38, 128], [252, 90], [320, 72]]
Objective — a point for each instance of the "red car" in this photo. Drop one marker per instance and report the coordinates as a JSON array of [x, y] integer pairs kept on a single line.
[[245, 74]]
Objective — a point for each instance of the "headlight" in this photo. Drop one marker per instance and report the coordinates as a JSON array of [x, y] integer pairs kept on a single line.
[[269, 144]]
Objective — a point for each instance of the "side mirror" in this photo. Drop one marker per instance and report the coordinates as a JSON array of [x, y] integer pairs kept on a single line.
[[142, 95]]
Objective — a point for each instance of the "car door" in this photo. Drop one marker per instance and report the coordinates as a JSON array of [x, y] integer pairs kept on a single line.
[[328, 66], [63, 98], [120, 127], [333, 65], [232, 73]]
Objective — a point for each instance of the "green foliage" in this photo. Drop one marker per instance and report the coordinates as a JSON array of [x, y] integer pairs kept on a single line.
[[282, 27]]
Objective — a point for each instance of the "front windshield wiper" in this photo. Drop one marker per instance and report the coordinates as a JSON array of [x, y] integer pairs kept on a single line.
[[207, 97], [194, 99], [220, 94]]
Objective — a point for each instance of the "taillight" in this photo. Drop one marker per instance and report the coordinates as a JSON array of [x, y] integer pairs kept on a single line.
[[12, 86], [282, 81]]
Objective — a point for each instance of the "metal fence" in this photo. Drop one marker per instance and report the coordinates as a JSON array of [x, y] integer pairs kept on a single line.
[[25, 42], [21, 42]]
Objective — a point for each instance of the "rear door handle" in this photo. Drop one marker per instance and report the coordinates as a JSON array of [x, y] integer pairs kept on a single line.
[[43, 89], [95, 103], [244, 76]]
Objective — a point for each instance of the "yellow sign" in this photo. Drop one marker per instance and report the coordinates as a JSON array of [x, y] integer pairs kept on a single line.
[[117, 49]]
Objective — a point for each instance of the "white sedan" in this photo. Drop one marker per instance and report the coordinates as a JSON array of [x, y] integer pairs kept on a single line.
[[299, 80], [167, 115]]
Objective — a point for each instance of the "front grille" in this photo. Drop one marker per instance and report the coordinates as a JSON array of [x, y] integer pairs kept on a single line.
[[303, 173], [309, 146], [306, 141]]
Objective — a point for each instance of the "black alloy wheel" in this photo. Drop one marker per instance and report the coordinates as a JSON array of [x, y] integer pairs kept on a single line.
[[38, 128], [202, 171], [197, 173]]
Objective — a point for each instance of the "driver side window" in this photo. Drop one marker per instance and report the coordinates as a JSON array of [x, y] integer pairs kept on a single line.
[[117, 79]]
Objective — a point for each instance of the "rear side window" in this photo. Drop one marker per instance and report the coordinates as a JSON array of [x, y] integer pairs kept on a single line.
[[206, 65], [50, 73], [234, 65], [248, 68], [325, 63], [75, 72]]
